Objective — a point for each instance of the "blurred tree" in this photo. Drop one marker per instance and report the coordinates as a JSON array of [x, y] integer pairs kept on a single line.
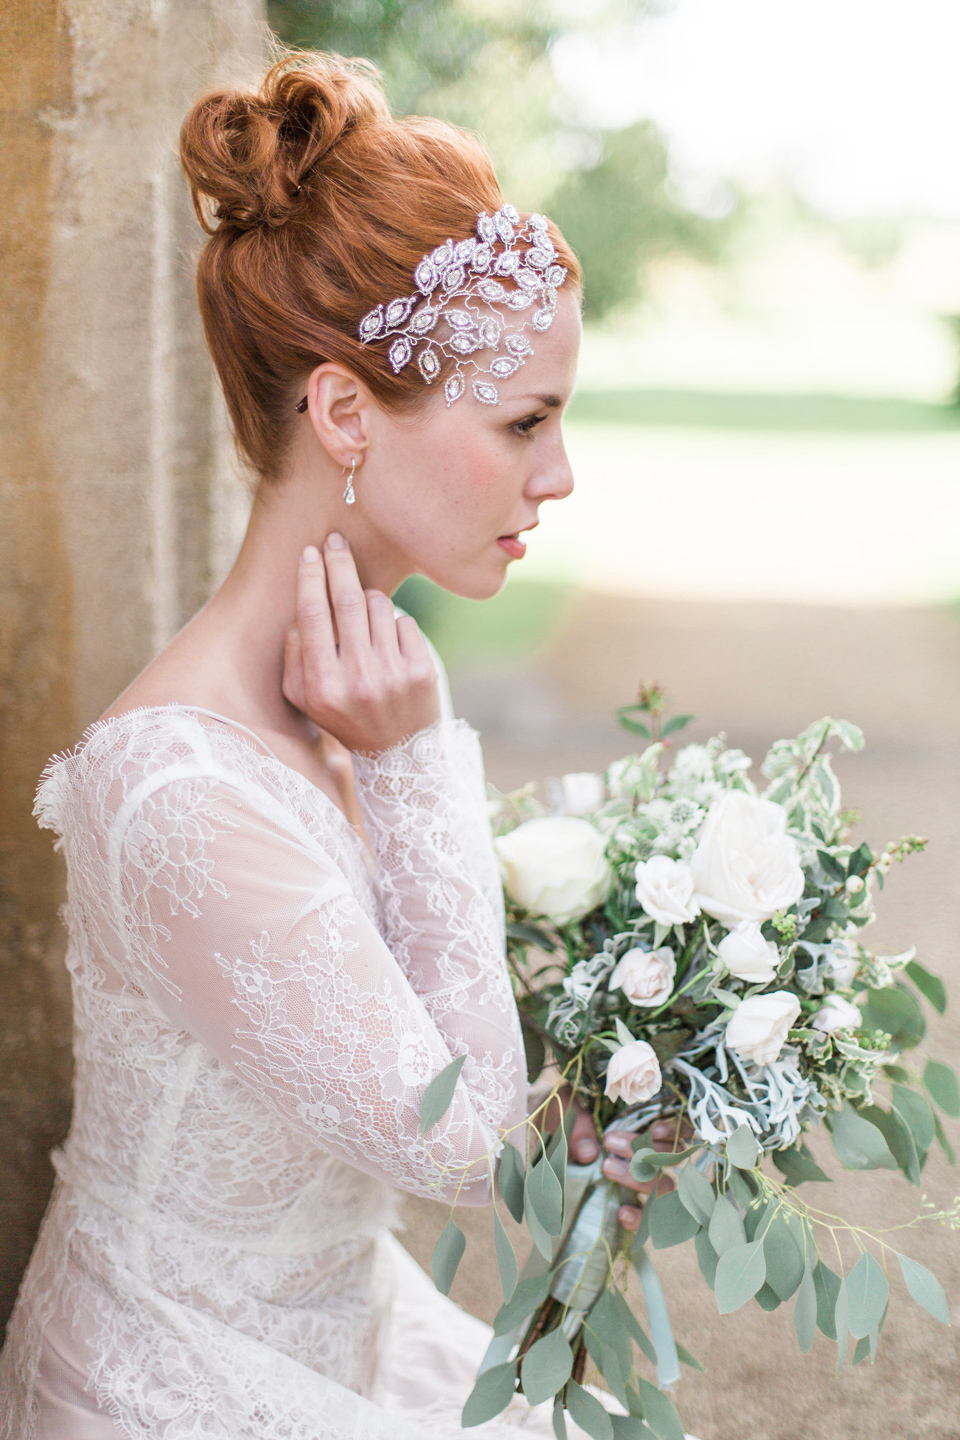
[[485, 65]]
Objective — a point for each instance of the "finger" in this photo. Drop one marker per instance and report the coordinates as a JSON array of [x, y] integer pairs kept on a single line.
[[347, 598], [583, 1138], [383, 625], [411, 640], [317, 643], [618, 1143], [292, 684], [630, 1217]]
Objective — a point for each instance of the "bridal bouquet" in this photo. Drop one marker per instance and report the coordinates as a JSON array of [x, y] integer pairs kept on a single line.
[[688, 945]]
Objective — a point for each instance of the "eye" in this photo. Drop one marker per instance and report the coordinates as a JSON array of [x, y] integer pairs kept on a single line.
[[523, 427]]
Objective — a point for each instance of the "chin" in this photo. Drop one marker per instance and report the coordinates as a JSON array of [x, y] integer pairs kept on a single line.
[[478, 582]]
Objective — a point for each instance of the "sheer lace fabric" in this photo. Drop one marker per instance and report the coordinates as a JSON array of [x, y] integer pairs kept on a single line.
[[259, 1008]]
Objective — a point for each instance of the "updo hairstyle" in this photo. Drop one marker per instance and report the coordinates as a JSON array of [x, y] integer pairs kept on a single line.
[[319, 205]]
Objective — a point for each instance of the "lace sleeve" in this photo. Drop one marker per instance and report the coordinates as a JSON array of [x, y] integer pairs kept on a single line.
[[244, 932], [425, 813]]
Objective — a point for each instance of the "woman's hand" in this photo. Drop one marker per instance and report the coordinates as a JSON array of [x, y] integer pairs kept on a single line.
[[585, 1147], [375, 687]]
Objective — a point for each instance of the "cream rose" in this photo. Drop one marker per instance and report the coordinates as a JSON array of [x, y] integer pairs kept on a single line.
[[555, 867], [836, 1013], [645, 976], [747, 955], [745, 866], [633, 1074], [758, 1028], [583, 792], [665, 890]]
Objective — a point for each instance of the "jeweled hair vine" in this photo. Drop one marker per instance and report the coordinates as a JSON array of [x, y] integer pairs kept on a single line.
[[506, 263]]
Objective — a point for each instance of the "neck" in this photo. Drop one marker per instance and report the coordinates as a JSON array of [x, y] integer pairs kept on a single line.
[[253, 609]]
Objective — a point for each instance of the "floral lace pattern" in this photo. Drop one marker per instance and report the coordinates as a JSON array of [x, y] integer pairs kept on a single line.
[[258, 1012]]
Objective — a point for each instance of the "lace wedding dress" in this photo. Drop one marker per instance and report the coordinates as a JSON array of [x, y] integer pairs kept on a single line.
[[259, 1006]]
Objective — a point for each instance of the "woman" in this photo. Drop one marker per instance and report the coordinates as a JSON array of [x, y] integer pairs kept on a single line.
[[260, 998]]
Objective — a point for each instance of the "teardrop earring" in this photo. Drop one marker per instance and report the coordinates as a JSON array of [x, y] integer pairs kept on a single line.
[[348, 493]]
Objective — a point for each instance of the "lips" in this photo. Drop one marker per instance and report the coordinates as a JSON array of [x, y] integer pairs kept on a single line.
[[514, 546]]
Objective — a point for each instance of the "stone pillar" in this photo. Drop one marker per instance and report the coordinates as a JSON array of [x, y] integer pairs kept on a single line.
[[121, 503]]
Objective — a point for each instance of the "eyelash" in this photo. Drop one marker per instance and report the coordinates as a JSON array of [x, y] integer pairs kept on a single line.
[[524, 427]]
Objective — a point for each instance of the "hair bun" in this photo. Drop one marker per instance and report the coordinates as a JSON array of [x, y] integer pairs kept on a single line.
[[249, 153]]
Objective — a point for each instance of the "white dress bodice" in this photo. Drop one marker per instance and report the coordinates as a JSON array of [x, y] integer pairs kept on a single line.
[[260, 1004]]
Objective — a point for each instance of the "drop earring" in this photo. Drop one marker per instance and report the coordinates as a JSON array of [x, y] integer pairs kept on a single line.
[[349, 494]]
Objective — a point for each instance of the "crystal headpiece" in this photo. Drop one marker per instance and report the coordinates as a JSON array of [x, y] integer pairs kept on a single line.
[[450, 281]]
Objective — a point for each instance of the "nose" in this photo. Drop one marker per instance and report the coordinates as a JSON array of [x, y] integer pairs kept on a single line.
[[554, 479]]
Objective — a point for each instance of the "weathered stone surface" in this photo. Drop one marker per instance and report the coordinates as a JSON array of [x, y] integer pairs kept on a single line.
[[120, 501]]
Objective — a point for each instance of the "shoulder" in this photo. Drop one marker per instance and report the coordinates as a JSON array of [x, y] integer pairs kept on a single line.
[[120, 762]]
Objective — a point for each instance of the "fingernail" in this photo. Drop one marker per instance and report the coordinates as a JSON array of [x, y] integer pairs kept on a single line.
[[616, 1169], [585, 1150], [618, 1144], [662, 1131], [336, 541], [311, 555], [629, 1218]]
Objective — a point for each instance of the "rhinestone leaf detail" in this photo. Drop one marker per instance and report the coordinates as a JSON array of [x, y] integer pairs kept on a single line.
[[455, 285]]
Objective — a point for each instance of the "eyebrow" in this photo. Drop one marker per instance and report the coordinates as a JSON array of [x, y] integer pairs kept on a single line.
[[552, 402]]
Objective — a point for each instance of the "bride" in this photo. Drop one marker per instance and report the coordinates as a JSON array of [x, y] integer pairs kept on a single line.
[[284, 913]]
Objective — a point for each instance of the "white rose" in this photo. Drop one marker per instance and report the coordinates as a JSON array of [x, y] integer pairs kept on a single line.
[[633, 1074], [836, 1013], [645, 976], [747, 955], [583, 792], [555, 867], [758, 1027], [665, 890], [746, 867]]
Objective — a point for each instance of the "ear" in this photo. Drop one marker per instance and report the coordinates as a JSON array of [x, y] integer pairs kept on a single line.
[[339, 406]]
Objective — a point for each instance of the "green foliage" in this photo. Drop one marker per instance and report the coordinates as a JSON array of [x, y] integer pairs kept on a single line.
[[546, 1367], [587, 1412], [670, 1221], [942, 1087], [526, 1297], [925, 1289], [438, 1095], [510, 1178], [858, 1142], [447, 1255], [742, 1149], [805, 1312], [867, 1295], [492, 1393], [740, 1273], [796, 1166], [506, 1260]]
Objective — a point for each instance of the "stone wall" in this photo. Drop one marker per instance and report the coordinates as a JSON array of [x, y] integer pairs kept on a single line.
[[121, 504]]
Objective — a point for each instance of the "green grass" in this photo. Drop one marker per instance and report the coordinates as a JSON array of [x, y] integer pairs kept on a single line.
[[515, 623], [714, 410]]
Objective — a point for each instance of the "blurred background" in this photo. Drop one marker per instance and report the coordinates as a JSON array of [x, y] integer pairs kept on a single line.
[[766, 441]]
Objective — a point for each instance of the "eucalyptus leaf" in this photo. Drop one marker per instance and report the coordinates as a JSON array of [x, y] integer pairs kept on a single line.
[[861, 1351], [671, 1222], [925, 1289], [942, 1087], [510, 1178], [867, 1295], [707, 1257], [658, 1411], [559, 1418], [805, 1312], [607, 1325], [899, 1138], [741, 1186], [506, 1260], [631, 1324], [726, 1228], [546, 1367], [797, 1168], [931, 987], [640, 1167], [615, 1375], [827, 1285], [895, 1010], [783, 1249], [491, 1394], [740, 1273], [859, 1145], [687, 1359], [543, 1194], [527, 1297], [943, 1142], [742, 1149], [629, 1427], [447, 1254], [439, 1094], [841, 1320], [915, 1109], [530, 935], [696, 1194], [767, 1298], [587, 1412]]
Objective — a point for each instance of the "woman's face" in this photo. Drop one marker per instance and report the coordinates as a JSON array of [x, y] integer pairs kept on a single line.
[[448, 491]]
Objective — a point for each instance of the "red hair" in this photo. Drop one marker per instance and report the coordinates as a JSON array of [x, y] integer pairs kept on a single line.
[[319, 205]]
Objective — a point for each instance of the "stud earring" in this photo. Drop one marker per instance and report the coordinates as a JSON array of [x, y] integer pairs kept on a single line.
[[348, 493]]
